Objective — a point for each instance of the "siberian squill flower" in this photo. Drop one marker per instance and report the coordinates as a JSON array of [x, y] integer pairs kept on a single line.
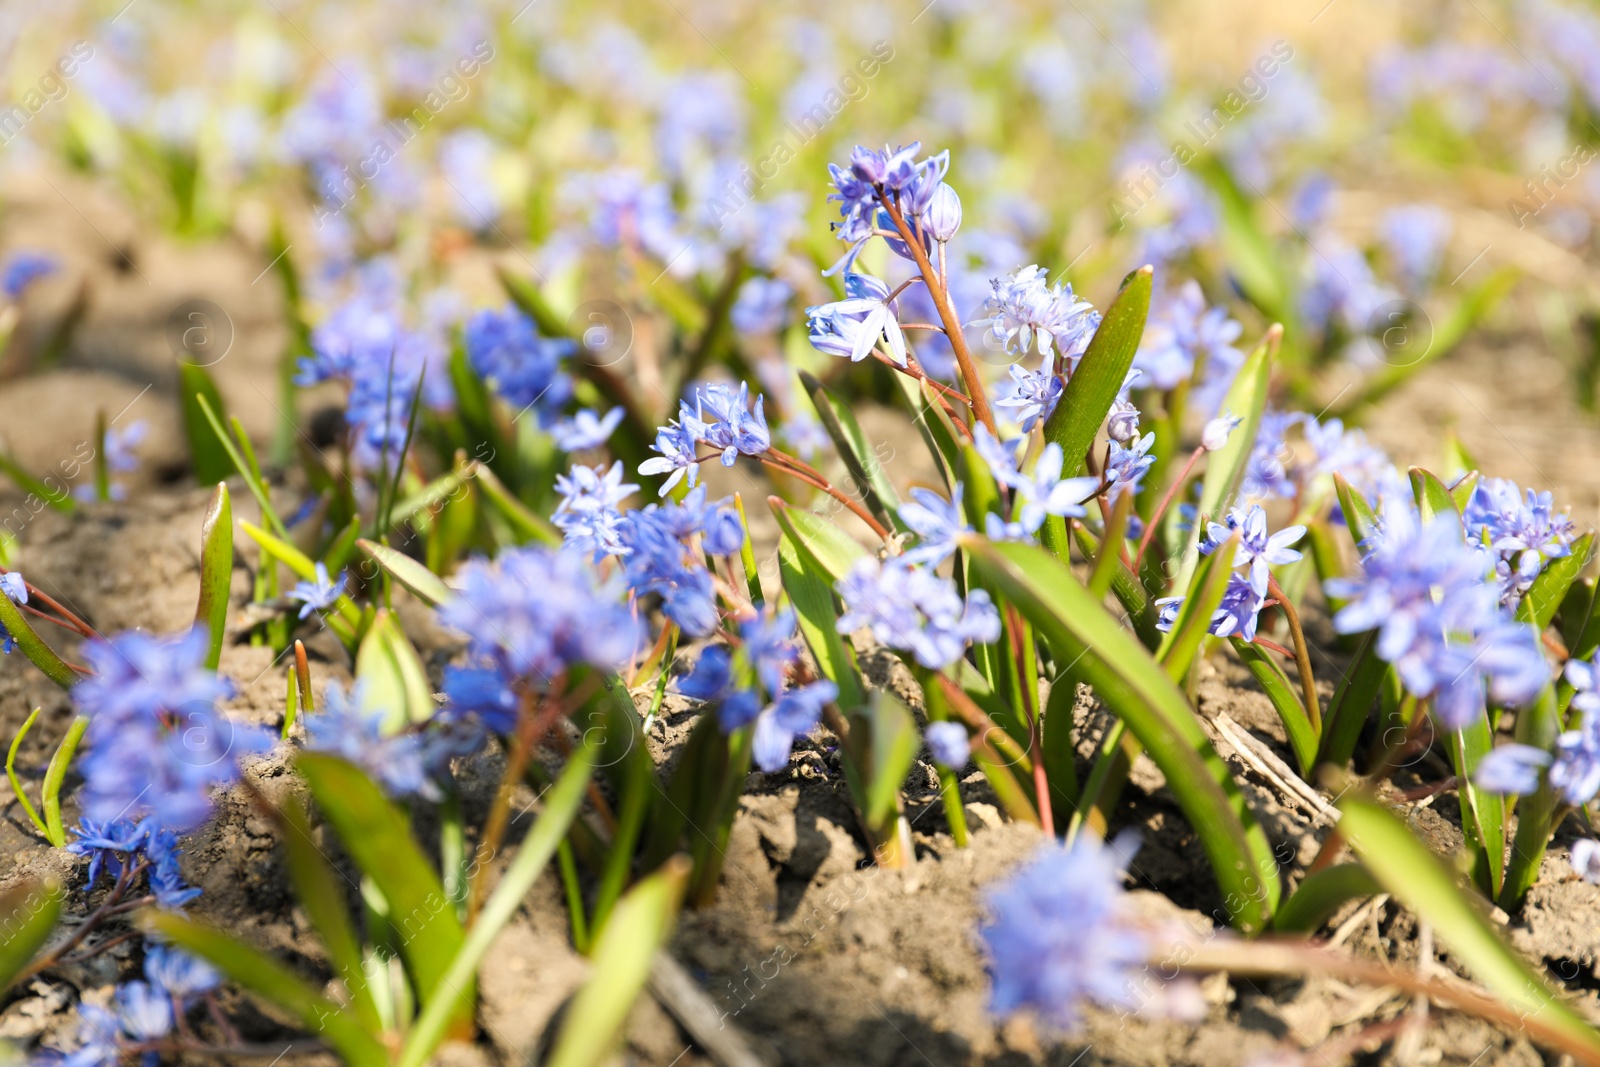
[[506, 350], [585, 430], [15, 589], [911, 608], [1024, 311], [1257, 548], [180, 975], [665, 558], [348, 724], [157, 745], [318, 595], [723, 419], [762, 305], [937, 522], [1239, 612], [1585, 859], [1217, 431], [1059, 933], [1524, 531], [1044, 492], [1415, 236], [1126, 464], [22, 269], [747, 685], [587, 515], [1032, 394], [949, 744], [677, 455], [1122, 422], [854, 326]]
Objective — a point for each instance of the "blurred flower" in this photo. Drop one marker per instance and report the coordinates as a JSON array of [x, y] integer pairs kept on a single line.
[[585, 430], [319, 595], [22, 269], [762, 305], [911, 608], [949, 743]]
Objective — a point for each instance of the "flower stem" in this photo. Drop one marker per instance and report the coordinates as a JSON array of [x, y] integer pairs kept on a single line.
[[947, 314], [1302, 654], [808, 474], [1166, 502]]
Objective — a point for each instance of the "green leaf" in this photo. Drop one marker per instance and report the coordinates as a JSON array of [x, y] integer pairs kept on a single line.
[[639, 928], [264, 975], [1320, 895], [319, 891], [393, 673], [1432, 497], [1093, 387], [561, 803], [1351, 703], [1285, 697], [1247, 400], [529, 524], [246, 469], [216, 571], [16, 783], [1133, 687], [893, 750], [1461, 491], [378, 838], [419, 580], [1246, 248], [28, 914], [1549, 589], [32, 645], [1210, 582], [55, 774], [834, 550], [1417, 878], [938, 432], [811, 596], [59, 499], [1483, 814], [345, 614], [860, 457], [207, 451], [1358, 514]]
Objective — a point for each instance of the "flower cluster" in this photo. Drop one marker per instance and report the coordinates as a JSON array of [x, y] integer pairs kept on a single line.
[[1257, 552], [143, 1012], [665, 547], [909, 607], [506, 350], [1574, 766], [157, 744], [1025, 312], [1429, 595], [123, 847], [747, 685], [530, 615], [721, 419], [588, 515], [1522, 530], [408, 759]]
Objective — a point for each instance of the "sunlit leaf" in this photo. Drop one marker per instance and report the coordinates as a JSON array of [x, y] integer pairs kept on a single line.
[[28, 914], [858, 452], [216, 571]]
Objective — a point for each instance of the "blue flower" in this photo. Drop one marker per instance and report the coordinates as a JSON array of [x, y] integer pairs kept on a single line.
[[484, 692], [937, 522], [1024, 311], [535, 612], [22, 269], [1415, 236], [1575, 771], [588, 514], [1585, 859], [585, 430], [911, 608], [762, 305], [181, 975], [854, 326], [793, 714], [319, 595], [1524, 531], [660, 560], [723, 420], [1238, 613], [677, 455], [145, 1012], [1044, 492], [156, 742], [1059, 933], [346, 724], [15, 588], [1032, 395], [108, 844], [166, 880], [1511, 769], [949, 743], [119, 445], [506, 350], [1126, 465], [1254, 542]]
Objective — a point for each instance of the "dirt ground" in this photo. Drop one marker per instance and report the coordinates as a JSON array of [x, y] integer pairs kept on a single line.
[[811, 953]]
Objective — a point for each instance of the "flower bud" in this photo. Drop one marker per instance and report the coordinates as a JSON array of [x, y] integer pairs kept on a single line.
[[1215, 435], [943, 216]]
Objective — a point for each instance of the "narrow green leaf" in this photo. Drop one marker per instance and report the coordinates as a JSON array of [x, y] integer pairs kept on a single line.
[[1461, 491], [264, 975], [1204, 595], [528, 524], [246, 469], [938, 432], [1352, 702], [419, 580], [639, 928], [55, 774], [1285, 697], [344, 613], [858, 452], [811, 596], [28, 914], [378, 838], [1483, 814], [206, 450], [33, 646], [1132, 685], [216, 571], [1126, 588], [1417, 878], [1320, 895], [561, 803], [59, 499], [1247, 249], [894, 749], [834, 550], [319, 891], [1358, 514], [1247, 400], [16, 783], [1093, 387], [1549, 589], [1432, 496], [393, 674]]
